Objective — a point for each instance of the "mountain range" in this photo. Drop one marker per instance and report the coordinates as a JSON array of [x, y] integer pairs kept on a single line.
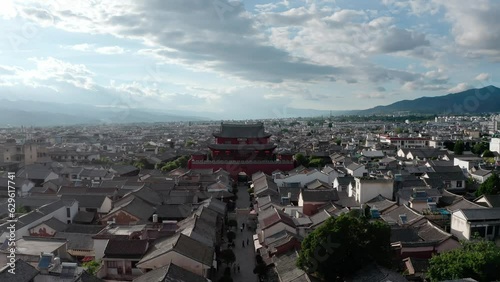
[[472, 101], [36, 113]]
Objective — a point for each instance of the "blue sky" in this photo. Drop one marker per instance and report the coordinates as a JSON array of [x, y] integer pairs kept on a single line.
[[245, 59]]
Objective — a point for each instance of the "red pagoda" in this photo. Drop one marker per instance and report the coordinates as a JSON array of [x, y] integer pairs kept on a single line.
[[242, 149]]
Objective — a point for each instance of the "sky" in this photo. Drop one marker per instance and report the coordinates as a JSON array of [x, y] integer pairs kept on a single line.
[[245, 58]]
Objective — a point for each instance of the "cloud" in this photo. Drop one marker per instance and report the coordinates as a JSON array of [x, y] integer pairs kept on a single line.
[[48, 70], [474, 25], [85, 47], [459, 88], [483, 76], [371, 96], [397, 39]]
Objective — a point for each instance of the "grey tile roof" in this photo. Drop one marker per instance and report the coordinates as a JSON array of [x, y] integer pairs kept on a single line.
[[84, 228], [136, 207], [393, 216], [174, 211], [84, 217], [493, 200], [118, 248], [287, 270], [170, 273], [482, 214], [87, 201], [77, 241], [55, 224], [25, 272], [322, 195], [184, 245], [229, 130]]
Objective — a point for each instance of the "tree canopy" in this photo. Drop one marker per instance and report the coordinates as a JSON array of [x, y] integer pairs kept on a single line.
[[301, 159], [343, 245], [227, 256], [490, 187], [479, 260], [459, 147], [479, 148]]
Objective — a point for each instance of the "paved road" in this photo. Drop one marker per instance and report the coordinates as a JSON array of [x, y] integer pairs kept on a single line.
[[245, 256]]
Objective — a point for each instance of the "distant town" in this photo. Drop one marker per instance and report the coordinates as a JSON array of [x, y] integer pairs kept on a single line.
[[347, 198]]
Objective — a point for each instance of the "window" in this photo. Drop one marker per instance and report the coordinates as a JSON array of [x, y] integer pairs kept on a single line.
[[459, 184], [447, 184], [112, 264], [68, 212]]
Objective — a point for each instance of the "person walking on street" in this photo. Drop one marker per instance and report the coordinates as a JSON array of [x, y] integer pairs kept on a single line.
[[243, 225], [248, 240], [243, 243], [238, 268], [241, 228]]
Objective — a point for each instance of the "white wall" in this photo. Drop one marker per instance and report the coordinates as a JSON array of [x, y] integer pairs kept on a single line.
[[495, 145], [459, 226], [366, 190], [99, 247]]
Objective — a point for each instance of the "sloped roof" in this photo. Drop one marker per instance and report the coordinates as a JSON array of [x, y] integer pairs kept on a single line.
[[25, 272], [117, 248], [481, 214], [55, 224], [182, 244], [77, 241], [287, 269], [170, 273], [237, 130], [321, 195]]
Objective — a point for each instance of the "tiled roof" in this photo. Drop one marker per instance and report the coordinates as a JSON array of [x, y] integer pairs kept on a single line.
[[184, 245], [117, 248], [170, 273], [25, 272], [232, 130]]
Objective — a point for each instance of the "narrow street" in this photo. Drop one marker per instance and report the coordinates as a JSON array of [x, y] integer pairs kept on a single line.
[[245, 256]]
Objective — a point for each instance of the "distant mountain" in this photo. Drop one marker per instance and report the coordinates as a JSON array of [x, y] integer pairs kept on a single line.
[[483, 100], [16, 113], [294, 112]]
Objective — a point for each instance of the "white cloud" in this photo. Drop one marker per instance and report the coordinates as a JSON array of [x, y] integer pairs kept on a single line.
[[85, 47], [475, 25], [483, 76], [49, 70], [459, 87]]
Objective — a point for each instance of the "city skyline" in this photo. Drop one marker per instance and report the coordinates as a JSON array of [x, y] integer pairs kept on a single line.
[[245, 59]]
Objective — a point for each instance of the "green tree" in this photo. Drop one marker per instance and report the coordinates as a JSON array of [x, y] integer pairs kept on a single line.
[[488, 154], [490, 187], [479, 148], [227, 256], [227, 275], [301, 159], [459, 147], [342, 245], [92, 266], [190, 143], [479, 260], [232, 223], [231, 236]]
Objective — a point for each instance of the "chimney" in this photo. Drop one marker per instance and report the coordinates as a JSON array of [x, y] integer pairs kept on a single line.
[[155, 218]]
